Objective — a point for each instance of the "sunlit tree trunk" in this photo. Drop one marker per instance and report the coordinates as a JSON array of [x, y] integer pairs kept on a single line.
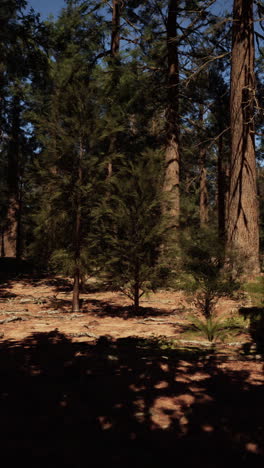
[[11, 241], [242, 224]]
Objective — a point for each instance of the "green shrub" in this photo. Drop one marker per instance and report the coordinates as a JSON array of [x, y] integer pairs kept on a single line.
[[213, 328], [256, 291], [207, 279]]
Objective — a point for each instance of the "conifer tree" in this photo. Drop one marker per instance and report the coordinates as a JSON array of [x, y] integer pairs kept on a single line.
[[18, 51], [115, 45], [129, 229], [69, 128], [242, 225]]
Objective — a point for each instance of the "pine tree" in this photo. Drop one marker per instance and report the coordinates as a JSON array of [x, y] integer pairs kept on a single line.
[[130, 229], [68, 128], [19, 54], [242, 225]]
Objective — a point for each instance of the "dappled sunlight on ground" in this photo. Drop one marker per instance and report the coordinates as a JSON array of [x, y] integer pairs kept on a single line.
[[127, 403], [105, 386]]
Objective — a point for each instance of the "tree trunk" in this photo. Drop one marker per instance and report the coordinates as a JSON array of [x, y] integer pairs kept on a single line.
[[242, 225], [11, 235], [2, 244], [203, 190], [203, 202], [115, 37], [221, 192], [115, 44], [136, 288], [19, 226], [76, 283], [76, 291], [172, 157], [136, 298]]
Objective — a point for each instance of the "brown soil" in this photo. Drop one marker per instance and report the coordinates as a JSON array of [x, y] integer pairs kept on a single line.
[[45, 305], [101, 385]]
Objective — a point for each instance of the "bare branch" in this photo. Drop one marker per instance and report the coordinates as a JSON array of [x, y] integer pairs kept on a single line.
[[204, 65]]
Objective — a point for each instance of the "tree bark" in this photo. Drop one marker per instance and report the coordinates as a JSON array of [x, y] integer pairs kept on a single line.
[[172, 157], [242, 225], [2, 244], [76, 291], [115, 37], [19, 225], [203, 202], [11, 234], [76, 282], [221, 192], [136, 288], [115, 44], [203, 190]]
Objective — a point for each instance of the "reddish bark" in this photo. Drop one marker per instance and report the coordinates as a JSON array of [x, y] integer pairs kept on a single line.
[[242, 224], [172, 156]]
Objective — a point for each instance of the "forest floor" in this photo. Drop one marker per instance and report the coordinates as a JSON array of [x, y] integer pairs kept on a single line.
[[136, 385]]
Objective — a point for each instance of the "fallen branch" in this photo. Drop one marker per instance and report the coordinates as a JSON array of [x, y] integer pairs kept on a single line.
[[48, 312], [158, 322], [12, 319], [210, 344], [80, 335], [9, 312]]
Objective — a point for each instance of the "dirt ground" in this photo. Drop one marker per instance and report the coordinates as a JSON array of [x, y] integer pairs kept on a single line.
[[44, 305], [100, 384]]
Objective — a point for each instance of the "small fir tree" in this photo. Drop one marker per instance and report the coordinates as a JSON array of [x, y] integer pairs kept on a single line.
[[131, 229]]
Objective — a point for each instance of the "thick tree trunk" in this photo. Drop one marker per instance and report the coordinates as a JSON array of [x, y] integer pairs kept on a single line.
[[172, 157], [242, 225], [76, 283]]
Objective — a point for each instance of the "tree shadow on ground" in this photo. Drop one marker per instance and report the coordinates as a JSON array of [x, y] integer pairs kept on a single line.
[[12, 269], [5, 294], [108, 309], [256, 328], [124, 403], [101, 308], [59, 284]]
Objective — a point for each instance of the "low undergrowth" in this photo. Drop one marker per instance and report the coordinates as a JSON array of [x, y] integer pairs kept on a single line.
[[214, 329]]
